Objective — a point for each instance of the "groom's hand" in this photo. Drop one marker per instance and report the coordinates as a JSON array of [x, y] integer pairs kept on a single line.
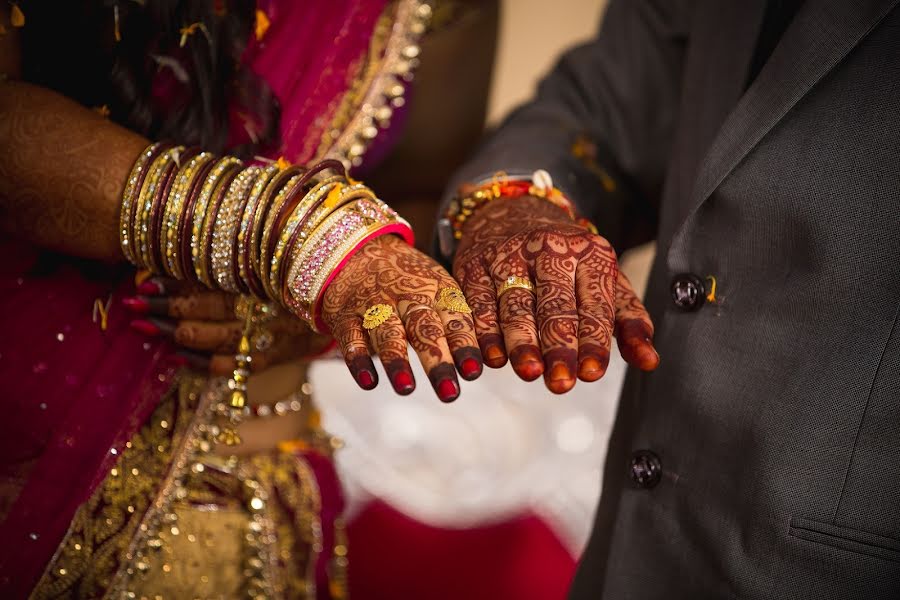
[[562, 328]]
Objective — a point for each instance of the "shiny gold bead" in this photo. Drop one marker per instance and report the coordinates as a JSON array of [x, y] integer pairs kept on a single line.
[[238, 399]]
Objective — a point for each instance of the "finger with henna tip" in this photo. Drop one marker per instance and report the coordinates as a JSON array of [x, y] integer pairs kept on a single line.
[[202, 305], [478, 287], [352, 339], [459, 329], [594, 286], [389, 342], [425, 331], [517, 320], [557, 318], [211, 336], [634, 329]]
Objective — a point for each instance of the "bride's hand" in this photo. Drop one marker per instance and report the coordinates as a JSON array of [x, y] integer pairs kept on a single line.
[[387, 271], [203, 324], [566, 301]]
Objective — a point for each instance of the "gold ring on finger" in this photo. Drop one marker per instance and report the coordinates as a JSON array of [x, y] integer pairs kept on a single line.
[[514, 281], [453, 300], [376, 315]]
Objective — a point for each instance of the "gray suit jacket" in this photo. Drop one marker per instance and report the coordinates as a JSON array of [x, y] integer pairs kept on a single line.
[[775, 413]]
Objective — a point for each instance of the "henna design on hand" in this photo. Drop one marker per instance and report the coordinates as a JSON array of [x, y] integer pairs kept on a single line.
[[574, 312], [387, 271]]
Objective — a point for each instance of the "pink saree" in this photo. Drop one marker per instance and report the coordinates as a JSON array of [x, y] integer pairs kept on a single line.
[[79, 384]]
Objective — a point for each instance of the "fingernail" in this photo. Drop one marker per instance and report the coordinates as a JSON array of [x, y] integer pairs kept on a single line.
[[470, 368], [527, 362], [590, 365], [365, 380], [493, 353], [137, 304], [560, 372], [150, 288], [145, 327], [403, 382], [447, 390], [180, 361]]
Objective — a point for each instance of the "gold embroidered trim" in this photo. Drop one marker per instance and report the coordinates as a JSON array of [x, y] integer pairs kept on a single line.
[[369, 104]]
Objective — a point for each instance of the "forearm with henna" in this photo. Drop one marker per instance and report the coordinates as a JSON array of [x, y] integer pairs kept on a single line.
[[62, 171]]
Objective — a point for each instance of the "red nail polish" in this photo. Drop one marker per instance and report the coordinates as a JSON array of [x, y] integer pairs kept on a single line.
[[447, 390], [403, 382], [137, 304], [365, 379], [145, 327], [150, 288], [469, 368], [180, 361]]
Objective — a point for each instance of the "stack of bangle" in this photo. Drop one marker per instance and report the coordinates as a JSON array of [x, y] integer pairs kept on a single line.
[[276, 234], [539, 184]]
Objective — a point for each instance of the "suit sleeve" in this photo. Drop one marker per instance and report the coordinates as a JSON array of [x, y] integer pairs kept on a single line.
[[602, 122]]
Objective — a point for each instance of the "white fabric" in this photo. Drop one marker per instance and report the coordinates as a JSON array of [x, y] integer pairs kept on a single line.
[[503, 447]]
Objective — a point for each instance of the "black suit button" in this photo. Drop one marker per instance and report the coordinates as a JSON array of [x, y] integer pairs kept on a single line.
[[646, 470], [688, 292]]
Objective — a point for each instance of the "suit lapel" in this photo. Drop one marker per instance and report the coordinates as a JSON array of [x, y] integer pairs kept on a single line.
[[822, 33]]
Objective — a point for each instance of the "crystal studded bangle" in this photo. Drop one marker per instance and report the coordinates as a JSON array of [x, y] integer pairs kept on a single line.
[[198, 217], [297, 229], [225, 232], [330, 246], [133, 187], [209, 222]]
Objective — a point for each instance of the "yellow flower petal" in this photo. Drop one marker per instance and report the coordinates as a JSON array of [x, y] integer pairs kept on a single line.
[[262, 24], [16, 16]]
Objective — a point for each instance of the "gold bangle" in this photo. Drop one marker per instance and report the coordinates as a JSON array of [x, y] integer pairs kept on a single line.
[[243, 238], [269, 225], [132, 185], [302, 218], [170, 234], [141, 231], [222, 166], [255, 268]]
